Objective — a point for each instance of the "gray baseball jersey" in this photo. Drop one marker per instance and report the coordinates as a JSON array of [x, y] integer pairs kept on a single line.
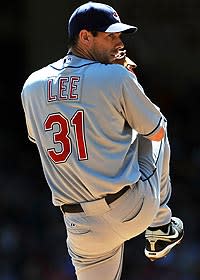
[[84, 117]]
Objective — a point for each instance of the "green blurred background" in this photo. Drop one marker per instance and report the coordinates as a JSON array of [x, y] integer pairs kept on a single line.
[[166, 49]]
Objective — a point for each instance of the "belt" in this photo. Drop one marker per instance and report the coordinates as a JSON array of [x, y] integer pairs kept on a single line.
[[109, 198]]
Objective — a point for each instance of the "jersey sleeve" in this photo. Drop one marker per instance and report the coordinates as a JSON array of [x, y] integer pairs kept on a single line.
[[27, 114], [139, 111]]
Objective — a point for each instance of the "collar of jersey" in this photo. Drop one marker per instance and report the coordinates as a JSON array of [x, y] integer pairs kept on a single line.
[[71, 61]]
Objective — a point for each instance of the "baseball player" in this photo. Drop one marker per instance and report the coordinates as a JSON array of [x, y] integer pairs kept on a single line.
[[103, 146]]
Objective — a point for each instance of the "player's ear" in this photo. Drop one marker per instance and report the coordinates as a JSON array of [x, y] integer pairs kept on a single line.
[[85, 37]]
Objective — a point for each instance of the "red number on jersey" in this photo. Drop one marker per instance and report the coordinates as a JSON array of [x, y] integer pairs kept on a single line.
[[77, 122], [62, 136]]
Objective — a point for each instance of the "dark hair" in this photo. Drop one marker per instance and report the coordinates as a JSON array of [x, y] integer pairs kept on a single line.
[[72, 41]]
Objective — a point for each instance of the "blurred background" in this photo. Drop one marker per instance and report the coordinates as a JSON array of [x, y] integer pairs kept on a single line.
[[166, 49]]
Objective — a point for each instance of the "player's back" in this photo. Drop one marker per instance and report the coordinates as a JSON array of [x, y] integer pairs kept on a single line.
[[78, 125]]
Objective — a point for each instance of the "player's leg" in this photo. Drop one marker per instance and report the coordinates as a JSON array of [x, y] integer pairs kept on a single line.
[[96, 236], [106, 267], [96, 249], [154, 160], [164, 213], [165, 232]]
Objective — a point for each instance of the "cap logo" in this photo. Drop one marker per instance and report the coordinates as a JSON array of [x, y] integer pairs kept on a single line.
[[115, 15]]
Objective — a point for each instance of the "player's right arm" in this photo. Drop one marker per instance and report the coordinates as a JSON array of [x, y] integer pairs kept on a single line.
[[29, 88]]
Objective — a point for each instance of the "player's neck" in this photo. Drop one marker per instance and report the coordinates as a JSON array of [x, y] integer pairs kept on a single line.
[[80, 52]]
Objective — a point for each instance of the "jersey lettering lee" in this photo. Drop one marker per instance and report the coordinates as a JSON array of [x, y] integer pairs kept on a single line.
[[84, 117], [63, 88]]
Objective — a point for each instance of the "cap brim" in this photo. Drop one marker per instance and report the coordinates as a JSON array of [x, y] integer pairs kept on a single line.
[[121, 27]]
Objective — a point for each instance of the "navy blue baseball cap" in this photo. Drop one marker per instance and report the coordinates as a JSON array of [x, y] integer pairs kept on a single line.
[[94, 16]]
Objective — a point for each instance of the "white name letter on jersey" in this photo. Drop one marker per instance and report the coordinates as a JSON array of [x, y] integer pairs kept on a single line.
[[67, 88], [73, 87], [62, 87], [50, 97]]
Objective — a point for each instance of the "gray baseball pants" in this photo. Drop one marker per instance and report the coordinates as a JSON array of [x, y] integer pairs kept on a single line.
[[95, 237]]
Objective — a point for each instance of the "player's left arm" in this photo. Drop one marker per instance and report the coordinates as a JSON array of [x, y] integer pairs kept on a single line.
[[125, 61], [141, 114]]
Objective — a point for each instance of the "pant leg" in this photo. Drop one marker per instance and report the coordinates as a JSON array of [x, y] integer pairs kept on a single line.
[[154, 160], [95, 239], [164, 214], [106, 267], [96, 249]]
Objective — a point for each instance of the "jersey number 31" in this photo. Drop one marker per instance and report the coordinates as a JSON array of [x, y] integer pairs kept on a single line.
[[62, 136]]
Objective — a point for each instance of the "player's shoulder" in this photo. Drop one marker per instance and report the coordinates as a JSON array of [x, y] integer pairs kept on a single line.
[[113, 72], [117, 69], [37, 78], [113, 68]]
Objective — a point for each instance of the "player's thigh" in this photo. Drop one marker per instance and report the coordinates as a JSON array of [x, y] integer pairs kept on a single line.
[[95, 249], [90, 235], [132, 213], [106, 267]]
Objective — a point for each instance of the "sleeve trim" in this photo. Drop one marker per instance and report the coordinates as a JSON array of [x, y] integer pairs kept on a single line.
[[152, 132], [31, 139]]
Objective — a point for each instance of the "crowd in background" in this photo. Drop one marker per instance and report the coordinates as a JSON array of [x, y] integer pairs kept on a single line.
[[166, 50]]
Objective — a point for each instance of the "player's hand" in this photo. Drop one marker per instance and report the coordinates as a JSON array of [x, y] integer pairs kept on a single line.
[[124, 60]]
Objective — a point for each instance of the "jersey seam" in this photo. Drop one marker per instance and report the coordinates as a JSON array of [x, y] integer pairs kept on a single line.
[[83, 65]]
